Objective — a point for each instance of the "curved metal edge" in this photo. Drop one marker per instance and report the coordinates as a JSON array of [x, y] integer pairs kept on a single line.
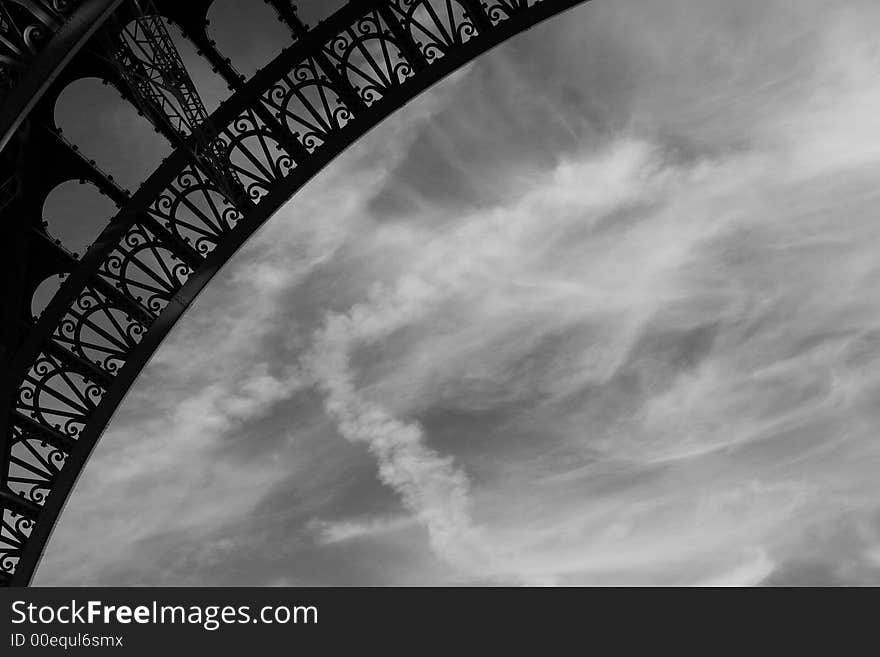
[[143, 196], [353, 131], [65, 43]]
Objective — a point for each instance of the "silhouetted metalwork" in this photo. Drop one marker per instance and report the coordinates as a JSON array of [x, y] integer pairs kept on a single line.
[[65, 371], [25, 28], [147, 59]]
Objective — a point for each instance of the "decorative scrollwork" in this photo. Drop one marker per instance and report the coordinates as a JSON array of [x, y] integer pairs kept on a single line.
[[195, 210], [97, 329], [255, 155], [323, 95], [145, 268], [306, 103], [436, 26], [500, 10], [369, 56], [33, 465], [53, 394], [25, 27], [14, 532]]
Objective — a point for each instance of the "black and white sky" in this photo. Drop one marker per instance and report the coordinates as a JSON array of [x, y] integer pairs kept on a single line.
[[601, 308]]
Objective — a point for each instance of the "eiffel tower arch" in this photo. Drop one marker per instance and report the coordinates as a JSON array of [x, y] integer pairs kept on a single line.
[[65, 371]]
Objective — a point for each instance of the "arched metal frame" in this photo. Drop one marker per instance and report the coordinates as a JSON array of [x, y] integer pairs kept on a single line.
[[71, 367]]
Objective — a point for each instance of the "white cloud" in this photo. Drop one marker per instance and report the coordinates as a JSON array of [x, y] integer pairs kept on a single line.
[[725, 239], [431, 486], [212, 380], [339, 531], [651, 360]]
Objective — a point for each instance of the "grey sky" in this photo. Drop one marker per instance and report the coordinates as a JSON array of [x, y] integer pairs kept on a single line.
[[598, 309]]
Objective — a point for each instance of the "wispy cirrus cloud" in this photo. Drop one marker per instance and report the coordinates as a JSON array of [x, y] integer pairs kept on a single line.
[[431, 486], [181, 456], [599, 312]]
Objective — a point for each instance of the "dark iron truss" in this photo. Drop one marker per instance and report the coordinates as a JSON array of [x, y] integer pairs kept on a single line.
[[65, 371], [25, 28]]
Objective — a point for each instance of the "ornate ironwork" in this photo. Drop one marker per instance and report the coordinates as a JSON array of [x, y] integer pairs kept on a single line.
[[26, 26], [67, 370], [148, 61]]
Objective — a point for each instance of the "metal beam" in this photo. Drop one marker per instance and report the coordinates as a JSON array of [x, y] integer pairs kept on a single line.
[[47, 65], [311, 50]]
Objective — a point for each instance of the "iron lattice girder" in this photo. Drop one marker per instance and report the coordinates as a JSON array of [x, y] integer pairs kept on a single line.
[[148, 58], [161, 86], [25, 27], [278, 129]]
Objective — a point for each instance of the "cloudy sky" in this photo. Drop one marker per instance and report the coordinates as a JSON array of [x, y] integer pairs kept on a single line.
[[599, 309]]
